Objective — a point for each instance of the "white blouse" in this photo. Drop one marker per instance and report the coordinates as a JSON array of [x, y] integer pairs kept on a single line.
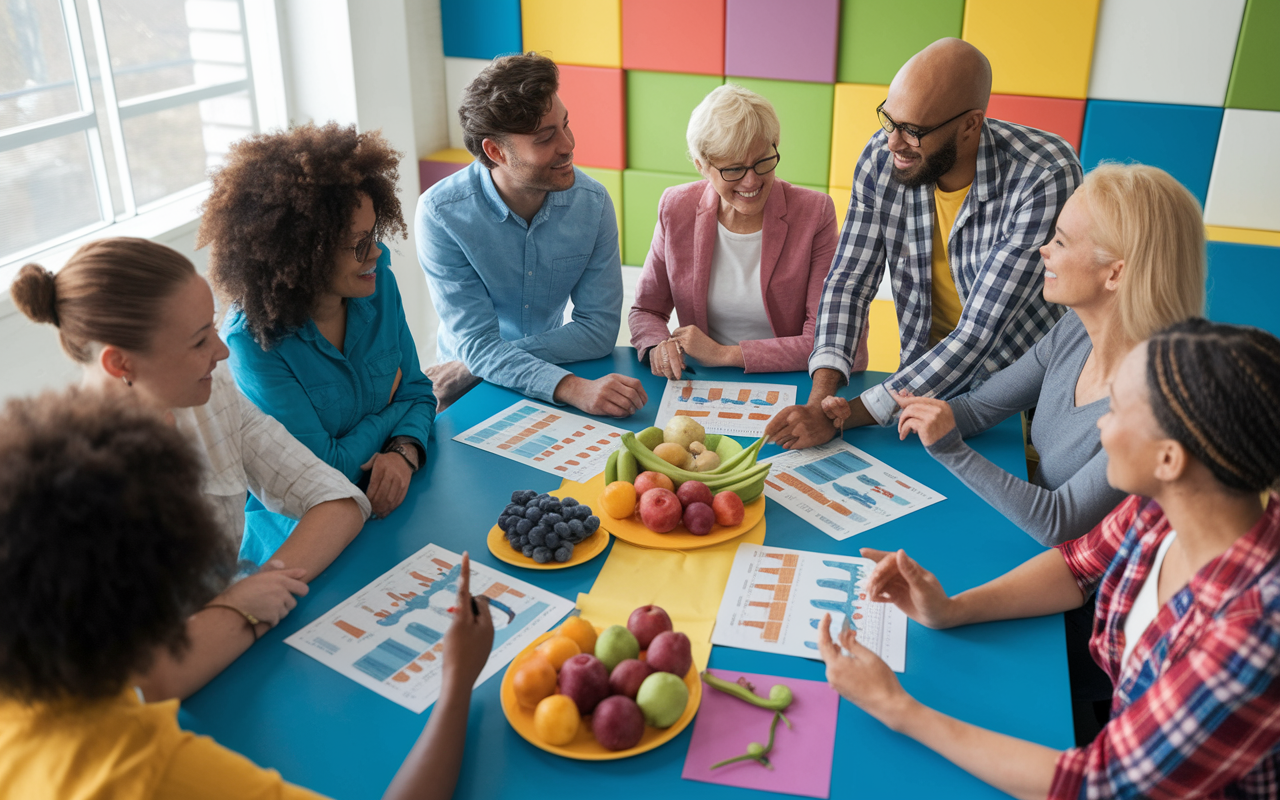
[[244, 450], [735, 305], [1145, 605]]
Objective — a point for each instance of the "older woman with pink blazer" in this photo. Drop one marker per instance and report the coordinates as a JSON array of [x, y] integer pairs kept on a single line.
[[740, 256]]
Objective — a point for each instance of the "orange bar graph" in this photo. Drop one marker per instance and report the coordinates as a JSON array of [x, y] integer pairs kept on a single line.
[[413, 667], [495, 590], [349, 628], [400, 677], [744, 395], [683, 413], [687, 391], [769, 631], [729, 415], [771, 397], [418, 576], [759, 416], [714, 394]]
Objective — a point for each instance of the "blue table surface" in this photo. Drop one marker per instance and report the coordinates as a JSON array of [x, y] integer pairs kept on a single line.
[[287, 711]]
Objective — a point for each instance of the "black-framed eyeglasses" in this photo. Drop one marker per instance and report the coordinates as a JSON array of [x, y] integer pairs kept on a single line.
[[762, 167], [365, 244], [912, 134]]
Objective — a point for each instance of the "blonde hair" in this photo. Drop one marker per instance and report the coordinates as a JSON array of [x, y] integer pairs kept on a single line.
[[1145, 217], [728, 122]]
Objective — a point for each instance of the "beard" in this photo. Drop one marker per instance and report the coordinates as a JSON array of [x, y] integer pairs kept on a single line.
[[931, 168], [540, 178]]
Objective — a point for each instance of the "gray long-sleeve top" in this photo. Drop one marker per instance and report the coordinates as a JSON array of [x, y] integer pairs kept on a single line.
[[1069, 493]]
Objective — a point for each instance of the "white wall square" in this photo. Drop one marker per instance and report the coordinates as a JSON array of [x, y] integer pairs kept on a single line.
[[1244, 191], [1165, 51], [458, 72]]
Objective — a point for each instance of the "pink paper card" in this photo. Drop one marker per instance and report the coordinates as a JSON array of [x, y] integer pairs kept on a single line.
[[801, 756]]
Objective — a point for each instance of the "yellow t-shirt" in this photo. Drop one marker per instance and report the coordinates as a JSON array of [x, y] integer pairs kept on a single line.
[[122, 748], [947, 304]]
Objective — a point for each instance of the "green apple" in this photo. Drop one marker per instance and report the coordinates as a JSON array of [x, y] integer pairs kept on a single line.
[[662, 698], [616, 644]]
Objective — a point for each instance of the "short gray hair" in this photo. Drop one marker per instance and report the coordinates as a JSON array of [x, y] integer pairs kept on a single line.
[[728, 121]]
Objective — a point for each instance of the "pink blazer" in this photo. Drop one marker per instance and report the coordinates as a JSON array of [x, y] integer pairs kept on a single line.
[[797, 246]]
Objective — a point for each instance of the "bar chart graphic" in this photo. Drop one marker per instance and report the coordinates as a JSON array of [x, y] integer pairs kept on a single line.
[[842, 490], [548, 439], [775, 599], [735, 409], [389, 636]]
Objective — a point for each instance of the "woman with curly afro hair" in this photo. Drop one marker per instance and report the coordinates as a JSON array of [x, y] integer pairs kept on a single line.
[[317, 330], [107, 548]]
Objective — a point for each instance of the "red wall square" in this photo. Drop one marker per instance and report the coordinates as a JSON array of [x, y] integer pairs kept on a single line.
[[597, 103], [1052, 114], [673, 36]]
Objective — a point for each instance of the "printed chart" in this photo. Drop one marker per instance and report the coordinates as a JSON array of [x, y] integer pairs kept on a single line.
[[548, 439], [388, 636], [735, 409], [843, 491], [775, 599]]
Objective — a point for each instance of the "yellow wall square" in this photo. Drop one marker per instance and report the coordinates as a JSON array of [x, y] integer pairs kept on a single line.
[[584, 32], [884, 345], [1042, 48], [852, 124], [840, 195]]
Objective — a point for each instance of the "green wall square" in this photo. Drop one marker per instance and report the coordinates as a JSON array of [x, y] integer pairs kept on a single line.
[[804, 109], [876, 38], [611, 179], [658, 109], [641, 192], [1255, 75]]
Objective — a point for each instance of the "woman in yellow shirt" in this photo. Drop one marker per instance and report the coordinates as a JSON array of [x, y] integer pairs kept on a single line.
[[106, 547]]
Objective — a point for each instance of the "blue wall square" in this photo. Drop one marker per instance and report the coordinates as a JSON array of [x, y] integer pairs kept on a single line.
[[1180, 140], [1244, 281], [480, 28]]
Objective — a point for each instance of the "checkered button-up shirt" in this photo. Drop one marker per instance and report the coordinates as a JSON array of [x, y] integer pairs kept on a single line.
[[1196, 711], [1023, 179]]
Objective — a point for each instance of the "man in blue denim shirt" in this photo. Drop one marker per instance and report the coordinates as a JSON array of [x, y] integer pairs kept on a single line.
[[509, 240]]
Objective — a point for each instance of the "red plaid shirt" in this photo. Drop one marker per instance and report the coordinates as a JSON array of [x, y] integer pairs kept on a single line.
[[1196, 711]]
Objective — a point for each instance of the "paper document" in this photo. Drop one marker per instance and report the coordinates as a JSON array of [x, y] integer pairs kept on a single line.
[[841, 490], [734, 409], [775, 599], [389, 635], [548, 439]]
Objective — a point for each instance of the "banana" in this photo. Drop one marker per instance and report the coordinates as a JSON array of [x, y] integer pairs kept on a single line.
[[627, 467], [736, 462], [611, 468], [650, 437], [749, 489], [646, 459]]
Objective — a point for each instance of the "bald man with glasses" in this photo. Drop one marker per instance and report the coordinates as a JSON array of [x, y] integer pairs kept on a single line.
[[956, 206]]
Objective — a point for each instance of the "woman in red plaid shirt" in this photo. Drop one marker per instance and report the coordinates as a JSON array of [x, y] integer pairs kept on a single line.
[[1187, 572]]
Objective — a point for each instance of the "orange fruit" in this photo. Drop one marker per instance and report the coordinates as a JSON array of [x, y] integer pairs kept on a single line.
[[534, 680], [556, 720], [559, 649], [581, 632], [619, 499]]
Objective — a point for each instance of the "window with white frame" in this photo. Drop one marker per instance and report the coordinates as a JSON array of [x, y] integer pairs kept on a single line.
[[111, 107]]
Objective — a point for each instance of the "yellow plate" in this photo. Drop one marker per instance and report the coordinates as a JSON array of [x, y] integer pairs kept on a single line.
[[584, 747], [583, 551], [633, 530]]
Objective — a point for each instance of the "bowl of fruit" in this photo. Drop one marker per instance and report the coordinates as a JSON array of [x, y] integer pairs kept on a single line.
[[599, 693], [541, 531]]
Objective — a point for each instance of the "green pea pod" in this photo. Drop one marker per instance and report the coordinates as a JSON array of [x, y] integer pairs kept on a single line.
[[780, 696]]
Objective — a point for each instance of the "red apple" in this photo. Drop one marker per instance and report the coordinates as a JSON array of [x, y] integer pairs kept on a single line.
[[585, 681], [647, 622], [618, 723], [660, 510], [652, 480], [693, 492], [628, 675], [698, 518], [670, 652], [729, 509]]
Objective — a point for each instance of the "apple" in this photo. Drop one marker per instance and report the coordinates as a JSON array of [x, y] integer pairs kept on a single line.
[[653, 480], [618, 723], [693, 492], [660, 510], [585, 681], [647, 622], [729, 509], [698, 518], [670, 652], [662, 698], [628, 675], [614, 645]]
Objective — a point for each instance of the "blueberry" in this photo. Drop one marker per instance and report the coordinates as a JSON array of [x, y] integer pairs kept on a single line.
[[503, 520], [534, 513], [555, 507], [552, 519], [537, 536], [552, 540], [542, 555], [582, 512], [568, 501], [515, 545], [577, 530], [518, 496], [528, 551], [564, 552], [524, 526], [591, 523]]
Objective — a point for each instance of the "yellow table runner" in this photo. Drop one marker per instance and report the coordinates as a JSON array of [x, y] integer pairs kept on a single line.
[[688, 584]]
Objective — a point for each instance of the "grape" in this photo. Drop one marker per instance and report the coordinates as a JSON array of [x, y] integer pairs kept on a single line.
[[554, 507], [552, 541], [552, 519], [564, 552], [577, 531], [524, 526], [528, 551], [542, 555], [568, 501], [537, 536], [562, 528], [522, 496], [592, 523], [534, 514], [503, 521]]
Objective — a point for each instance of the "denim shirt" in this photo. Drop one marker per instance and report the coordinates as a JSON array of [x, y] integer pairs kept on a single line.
[[500, 284]]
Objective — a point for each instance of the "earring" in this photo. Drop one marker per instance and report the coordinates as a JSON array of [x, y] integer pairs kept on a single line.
[[126, 380]]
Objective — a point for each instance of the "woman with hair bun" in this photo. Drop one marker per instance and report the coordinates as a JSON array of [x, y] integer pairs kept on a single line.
[[139, 320], [1188, 591]]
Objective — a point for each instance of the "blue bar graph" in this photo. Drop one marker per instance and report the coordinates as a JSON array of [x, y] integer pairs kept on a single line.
[[428, 635], [384, 660], [833, 466]]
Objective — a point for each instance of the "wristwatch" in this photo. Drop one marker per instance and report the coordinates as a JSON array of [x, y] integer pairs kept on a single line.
[[400, 445]]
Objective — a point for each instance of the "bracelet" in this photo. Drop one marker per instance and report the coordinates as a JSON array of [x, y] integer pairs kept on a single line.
[[253, 621], [398, 449]]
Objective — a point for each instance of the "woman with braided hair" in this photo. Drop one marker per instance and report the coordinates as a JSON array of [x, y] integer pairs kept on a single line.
[[1187, 576]]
